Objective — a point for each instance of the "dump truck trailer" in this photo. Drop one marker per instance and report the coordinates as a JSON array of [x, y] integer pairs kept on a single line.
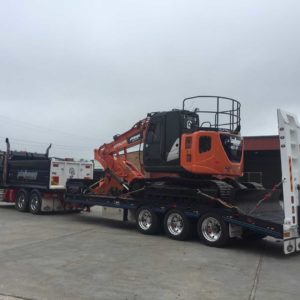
[[254, 213], [36, 182]]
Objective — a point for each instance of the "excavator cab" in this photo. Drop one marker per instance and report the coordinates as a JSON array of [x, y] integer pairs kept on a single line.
[[196, 141], [163, 139]]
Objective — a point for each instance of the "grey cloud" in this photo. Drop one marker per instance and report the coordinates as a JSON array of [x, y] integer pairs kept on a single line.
[[77, 72]]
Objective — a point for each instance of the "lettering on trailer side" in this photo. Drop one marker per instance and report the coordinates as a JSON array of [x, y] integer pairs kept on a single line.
[[27, 175]]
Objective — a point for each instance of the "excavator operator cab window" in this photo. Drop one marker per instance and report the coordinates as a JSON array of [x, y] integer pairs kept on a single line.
[[154, 133], [233, 146], [204, 144]]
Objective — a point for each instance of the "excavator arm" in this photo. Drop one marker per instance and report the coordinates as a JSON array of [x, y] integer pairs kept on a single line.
[[119, 172]]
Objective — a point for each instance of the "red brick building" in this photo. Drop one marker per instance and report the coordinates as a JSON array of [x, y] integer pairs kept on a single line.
[[262, 159]]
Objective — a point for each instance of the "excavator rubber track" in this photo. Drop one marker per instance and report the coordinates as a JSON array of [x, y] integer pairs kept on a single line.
[[187, 190]]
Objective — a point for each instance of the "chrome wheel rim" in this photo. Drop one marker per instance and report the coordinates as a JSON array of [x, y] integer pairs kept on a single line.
[[145, 219], [211, 229], [34, 203], [21, 201], [175, 224]]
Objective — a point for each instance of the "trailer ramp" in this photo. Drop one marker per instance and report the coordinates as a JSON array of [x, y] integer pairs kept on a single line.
[[289, 134]]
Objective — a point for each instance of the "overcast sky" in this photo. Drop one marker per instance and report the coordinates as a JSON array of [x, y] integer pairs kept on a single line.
[[75, 73]]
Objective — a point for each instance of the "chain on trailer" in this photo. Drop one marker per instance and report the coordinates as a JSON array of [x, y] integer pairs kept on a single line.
[[267, 196]]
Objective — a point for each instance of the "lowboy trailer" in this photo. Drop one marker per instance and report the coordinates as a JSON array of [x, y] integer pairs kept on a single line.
[[255, 213]]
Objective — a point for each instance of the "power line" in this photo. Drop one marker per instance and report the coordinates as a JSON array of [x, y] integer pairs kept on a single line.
[[40, 127], [31, 143]]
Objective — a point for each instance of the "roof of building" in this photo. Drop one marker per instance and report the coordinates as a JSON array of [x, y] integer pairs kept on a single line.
[[261, 143]]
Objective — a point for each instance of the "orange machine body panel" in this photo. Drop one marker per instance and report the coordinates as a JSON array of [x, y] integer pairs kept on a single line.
[[202, 152]]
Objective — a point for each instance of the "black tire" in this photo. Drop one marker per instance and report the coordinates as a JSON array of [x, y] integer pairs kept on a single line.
[[176, 224], [212, 230], [147, 221], [35, 202], [21, 203]]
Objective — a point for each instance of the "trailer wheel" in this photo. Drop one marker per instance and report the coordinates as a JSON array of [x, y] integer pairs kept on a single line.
[[177, 225], [35, 202], [212, 230], [147, 221], [21, 203]]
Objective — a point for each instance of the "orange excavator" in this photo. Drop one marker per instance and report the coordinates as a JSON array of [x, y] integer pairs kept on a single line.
[[190, 163], [197, 146]]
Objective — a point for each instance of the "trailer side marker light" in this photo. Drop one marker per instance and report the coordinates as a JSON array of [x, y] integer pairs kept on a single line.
[[287, 234]]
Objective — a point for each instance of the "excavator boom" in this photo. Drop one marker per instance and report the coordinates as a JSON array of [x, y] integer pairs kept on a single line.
[[120, 172]]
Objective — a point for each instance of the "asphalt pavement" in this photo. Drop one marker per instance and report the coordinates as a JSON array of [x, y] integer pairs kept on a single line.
[[81, 256]]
